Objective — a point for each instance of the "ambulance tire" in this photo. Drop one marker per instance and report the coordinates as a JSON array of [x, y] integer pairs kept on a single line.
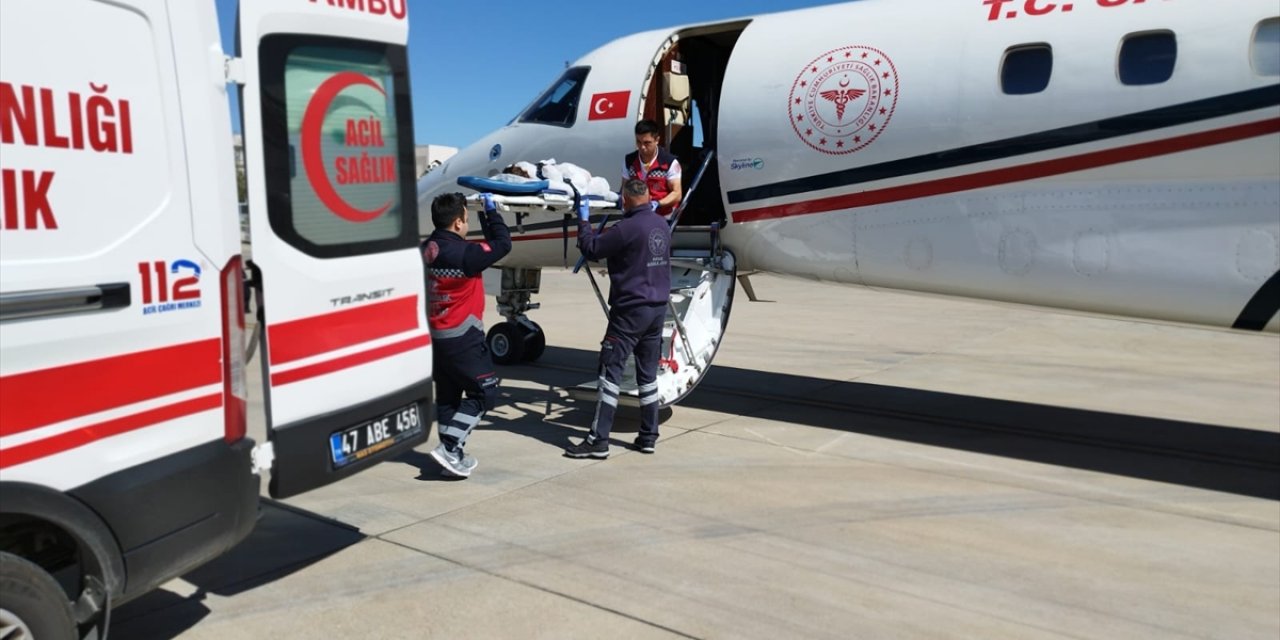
[[535, 341], [506, 343], [30, 598]]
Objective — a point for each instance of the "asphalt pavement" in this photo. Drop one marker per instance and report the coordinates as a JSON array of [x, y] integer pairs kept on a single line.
[[858, 464]]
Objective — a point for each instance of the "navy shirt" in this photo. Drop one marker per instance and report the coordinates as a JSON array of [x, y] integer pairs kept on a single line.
[[638, 253]]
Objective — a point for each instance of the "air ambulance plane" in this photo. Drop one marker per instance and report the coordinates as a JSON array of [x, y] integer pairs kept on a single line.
[[1109, 156]]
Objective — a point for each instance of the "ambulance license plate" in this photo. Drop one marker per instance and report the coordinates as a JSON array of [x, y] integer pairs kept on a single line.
[[361, 441]]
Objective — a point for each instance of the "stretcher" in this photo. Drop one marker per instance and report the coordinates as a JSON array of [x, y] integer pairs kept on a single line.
[[541, 204], [535, 195]]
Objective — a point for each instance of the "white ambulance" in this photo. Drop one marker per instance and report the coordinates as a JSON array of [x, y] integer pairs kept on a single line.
[[124, 460]]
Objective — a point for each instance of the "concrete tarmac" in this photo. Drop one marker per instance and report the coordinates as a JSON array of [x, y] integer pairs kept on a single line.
[[858, 464]]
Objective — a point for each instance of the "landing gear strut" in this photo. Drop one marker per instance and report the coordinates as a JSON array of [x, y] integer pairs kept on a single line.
[[518, 338]]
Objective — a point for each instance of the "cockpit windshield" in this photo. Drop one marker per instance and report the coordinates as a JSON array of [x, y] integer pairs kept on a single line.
[[558, 105]]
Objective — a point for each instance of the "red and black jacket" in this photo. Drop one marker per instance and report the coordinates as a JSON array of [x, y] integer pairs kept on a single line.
[[655, 178], [455, 286]]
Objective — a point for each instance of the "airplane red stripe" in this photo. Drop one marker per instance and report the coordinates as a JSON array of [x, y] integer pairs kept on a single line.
[[312, 336], [1018, 173], [93, 433], [43, 397], [346, 362]]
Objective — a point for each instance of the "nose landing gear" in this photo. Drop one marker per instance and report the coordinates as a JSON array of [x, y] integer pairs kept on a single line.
[[519, 339]]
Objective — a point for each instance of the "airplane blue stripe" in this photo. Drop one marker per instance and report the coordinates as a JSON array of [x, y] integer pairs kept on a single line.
[[1142, 121]]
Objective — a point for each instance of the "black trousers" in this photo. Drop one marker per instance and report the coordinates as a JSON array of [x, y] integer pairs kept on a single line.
[[466, 386], [635, 330]]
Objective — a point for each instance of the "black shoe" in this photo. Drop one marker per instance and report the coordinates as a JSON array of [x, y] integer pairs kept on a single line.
[[643, 446], [588, 448]]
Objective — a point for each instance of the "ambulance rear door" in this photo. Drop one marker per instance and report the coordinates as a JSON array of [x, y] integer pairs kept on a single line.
[[329, 160]]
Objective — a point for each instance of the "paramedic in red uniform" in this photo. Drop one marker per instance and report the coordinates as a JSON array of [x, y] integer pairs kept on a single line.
[[654, 166], [466, 385], [638, 250]]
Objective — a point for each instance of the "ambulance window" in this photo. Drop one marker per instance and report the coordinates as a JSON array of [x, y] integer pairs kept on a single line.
[[558, 105], [338, 145], [1266, 48], [1026, 69], [1148, 58]]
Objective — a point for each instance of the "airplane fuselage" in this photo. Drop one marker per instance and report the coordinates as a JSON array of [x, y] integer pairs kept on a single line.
[[1097, 155]]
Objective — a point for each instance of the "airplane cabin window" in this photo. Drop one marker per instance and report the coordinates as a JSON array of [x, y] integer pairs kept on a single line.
[[1026, 69], [1266, 48], [1148, 58], [558, 105]]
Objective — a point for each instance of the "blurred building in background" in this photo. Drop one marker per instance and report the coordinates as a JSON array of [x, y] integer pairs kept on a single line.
[[430, 156]]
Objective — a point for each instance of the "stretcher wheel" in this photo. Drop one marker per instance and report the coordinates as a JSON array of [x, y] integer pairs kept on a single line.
[[535, 341], [506, 343]]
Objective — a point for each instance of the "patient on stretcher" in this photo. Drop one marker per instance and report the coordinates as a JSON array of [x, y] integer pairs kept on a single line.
[[516, 170], [548, 176]]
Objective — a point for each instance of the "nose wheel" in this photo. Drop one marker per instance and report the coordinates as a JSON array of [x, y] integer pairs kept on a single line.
[[514, 342]]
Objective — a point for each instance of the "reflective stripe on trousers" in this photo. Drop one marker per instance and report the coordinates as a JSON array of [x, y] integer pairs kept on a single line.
[[644, 339]]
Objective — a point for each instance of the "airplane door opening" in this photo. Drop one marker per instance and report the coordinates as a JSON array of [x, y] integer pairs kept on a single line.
[[684, 97]]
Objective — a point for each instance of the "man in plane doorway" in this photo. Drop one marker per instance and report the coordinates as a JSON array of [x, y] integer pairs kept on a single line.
[[654, 166], [456, 316], [638, 250]]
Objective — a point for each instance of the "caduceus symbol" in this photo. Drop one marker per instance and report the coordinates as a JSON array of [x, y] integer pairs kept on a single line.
[[842, 97]]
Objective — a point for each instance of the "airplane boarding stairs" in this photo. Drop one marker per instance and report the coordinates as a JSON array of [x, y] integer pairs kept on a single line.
[[703, 275]]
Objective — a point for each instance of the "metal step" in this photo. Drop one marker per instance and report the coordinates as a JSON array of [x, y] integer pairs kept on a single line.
[[704, 237]]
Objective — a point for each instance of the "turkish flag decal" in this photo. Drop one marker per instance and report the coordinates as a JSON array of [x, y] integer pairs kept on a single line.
[[607, 106]]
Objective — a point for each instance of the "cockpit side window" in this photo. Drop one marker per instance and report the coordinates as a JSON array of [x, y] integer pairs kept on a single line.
[[558, 105]]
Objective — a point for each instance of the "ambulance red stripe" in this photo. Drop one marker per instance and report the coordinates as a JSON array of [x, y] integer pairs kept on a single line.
[[47, 396], [1017, 173], [312, 336], [23, 453], [346, 362]]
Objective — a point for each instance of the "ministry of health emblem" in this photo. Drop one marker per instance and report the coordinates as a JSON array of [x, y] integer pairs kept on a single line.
[[657, 243], [843, 99]]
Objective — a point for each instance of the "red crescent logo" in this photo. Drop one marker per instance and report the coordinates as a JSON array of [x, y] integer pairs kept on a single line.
[[313, 158]]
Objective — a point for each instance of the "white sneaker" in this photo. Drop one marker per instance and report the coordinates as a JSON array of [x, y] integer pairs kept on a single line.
[[456, 464]]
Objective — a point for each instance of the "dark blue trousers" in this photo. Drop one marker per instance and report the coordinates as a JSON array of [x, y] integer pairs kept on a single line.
[[466, 386], [635, 330]]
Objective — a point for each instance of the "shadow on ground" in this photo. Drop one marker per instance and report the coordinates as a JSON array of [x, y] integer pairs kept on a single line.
[[285, 540], [550, 414], [1219, 458]]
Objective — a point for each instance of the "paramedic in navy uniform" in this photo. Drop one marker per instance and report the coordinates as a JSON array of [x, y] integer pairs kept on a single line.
[[654, 166], [638, 249], [466, 385]]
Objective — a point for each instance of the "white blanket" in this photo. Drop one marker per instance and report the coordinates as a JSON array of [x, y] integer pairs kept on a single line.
[[556, 172]]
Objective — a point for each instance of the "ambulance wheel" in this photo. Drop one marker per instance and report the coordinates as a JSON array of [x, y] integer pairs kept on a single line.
[[32, 605], [535, 342], [506, 344]]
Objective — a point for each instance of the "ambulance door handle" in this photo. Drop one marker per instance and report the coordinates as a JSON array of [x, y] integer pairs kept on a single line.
[[43, 303]]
